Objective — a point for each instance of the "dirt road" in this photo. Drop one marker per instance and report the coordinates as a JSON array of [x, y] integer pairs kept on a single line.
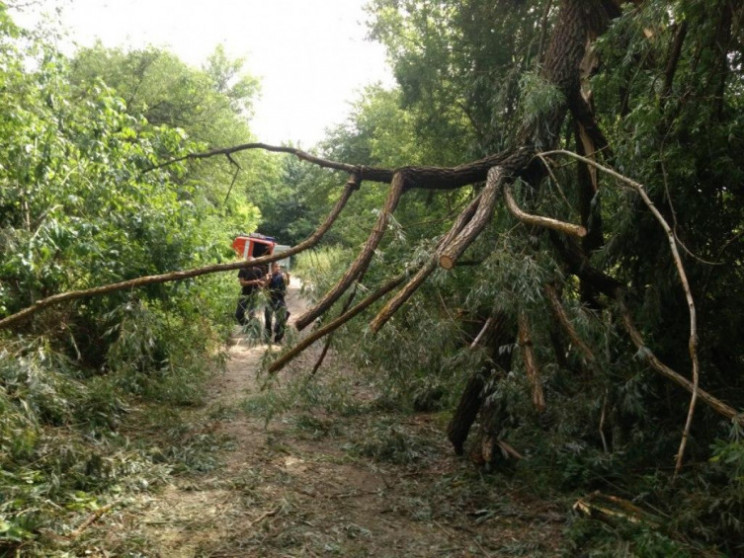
[[323, 467]]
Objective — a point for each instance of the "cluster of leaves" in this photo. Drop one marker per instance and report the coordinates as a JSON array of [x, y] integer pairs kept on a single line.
[[59, 454]]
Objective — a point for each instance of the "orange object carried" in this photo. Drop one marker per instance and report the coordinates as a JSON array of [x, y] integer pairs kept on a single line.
[[253, 245]]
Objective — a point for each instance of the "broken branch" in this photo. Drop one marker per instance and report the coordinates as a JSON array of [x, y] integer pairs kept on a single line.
[[363, 259], [482, 216], [407, 291], [693, 338], [537, 220]]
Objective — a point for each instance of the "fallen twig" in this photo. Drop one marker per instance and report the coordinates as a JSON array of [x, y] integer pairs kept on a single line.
[[91, 519], [264, 515]]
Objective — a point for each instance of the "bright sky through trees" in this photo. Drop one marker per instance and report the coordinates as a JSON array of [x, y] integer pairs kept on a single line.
[[312, 57]]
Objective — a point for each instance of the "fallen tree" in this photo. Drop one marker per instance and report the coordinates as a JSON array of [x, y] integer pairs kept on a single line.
[[567, 64]]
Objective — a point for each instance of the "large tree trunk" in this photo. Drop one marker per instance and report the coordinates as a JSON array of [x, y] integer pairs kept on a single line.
[[501, 332]]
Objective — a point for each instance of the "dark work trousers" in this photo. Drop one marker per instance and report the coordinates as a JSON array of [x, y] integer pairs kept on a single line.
[[246, 309], [277, 308]]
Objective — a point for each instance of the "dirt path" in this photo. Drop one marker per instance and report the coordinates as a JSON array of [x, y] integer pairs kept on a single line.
[[333, 473]]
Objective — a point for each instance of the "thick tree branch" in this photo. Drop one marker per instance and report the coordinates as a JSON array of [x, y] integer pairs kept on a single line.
[[482, 216], [577, 264], [407, 291], [351, 185]]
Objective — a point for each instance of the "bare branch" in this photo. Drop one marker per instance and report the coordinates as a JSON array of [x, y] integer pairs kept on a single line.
[[363, 259], [482, 332], [235, 177], [715, 403], [407, 291], [383, 175], [430, 178], [537, 220], [693, 339], [282, 361], [309, 242]]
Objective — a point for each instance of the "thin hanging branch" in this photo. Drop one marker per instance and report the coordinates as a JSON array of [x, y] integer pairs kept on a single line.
[[351, 185], [482, 332], [537, 220], [365, 173], [530, 362], [429, 177], [234, 179], [560, 315], [282, 361], [363, 258], [693, 339]]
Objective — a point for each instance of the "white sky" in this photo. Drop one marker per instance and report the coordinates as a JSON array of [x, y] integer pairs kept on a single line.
[[311, 55]]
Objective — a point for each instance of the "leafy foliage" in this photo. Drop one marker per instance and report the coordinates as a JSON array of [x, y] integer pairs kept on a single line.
[[80, 206], [469, 78]]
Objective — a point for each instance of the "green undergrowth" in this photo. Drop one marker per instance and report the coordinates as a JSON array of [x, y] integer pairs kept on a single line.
[[74, 441], [381, 429]]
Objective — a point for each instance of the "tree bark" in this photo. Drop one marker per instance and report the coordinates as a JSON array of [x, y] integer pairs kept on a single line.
[[474, 398]]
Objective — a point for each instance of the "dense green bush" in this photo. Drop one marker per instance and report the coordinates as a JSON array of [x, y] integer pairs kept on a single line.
[[82, 206]]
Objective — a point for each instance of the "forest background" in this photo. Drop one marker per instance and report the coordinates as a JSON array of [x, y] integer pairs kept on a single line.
[[526, 338]]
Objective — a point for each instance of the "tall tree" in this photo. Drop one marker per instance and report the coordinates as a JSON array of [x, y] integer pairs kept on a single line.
[[212, 106]]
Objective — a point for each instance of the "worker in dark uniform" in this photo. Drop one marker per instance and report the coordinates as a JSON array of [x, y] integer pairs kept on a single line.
[[276, 282], [251, 280]]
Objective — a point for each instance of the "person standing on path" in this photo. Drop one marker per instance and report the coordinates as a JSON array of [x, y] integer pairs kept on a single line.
[[277, 282], [251, 281]]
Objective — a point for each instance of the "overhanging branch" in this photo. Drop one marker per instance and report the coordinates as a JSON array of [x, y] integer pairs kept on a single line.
[[407, 291], [693, 338], [474, 226], [416, 177]]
